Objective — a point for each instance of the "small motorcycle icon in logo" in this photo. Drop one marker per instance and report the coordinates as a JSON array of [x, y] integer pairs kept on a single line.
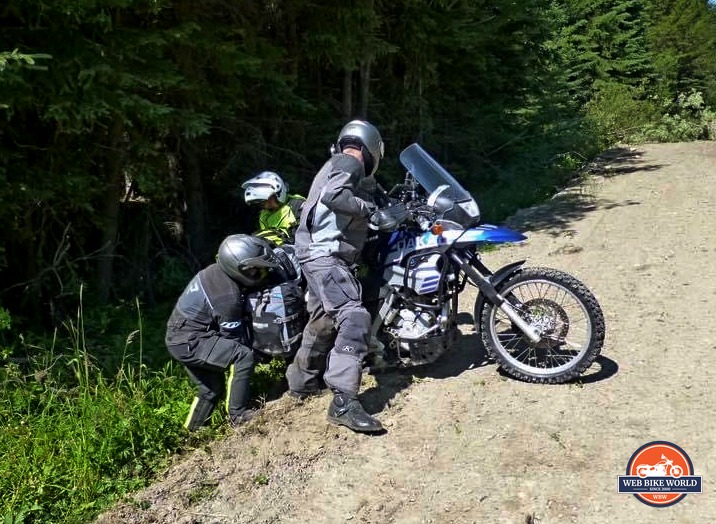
[[659, 474], [664, 468]]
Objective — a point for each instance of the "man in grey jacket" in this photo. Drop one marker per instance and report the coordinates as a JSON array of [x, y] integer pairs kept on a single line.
[[331, 234]]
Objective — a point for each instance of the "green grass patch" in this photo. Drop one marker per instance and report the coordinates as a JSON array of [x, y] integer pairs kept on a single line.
[[93, 412], [68, 452]]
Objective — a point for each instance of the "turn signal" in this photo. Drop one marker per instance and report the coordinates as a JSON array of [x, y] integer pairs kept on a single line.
[[437, 229]]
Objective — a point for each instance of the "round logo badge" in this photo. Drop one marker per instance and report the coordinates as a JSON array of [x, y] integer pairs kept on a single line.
[[659, 474]]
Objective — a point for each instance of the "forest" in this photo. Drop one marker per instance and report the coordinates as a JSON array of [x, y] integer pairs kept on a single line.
[[128, 126]]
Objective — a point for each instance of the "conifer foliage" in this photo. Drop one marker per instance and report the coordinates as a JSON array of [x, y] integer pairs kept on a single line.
[[127, 127]]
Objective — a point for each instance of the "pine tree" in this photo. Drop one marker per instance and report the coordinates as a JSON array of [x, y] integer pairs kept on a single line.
[[682, 36], [603, 42]]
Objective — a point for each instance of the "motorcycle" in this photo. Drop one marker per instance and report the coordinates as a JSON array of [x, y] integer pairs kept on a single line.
[[665, 467], [538, 324]]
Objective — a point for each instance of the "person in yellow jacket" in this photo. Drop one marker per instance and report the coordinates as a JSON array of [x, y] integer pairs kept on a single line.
[[280, 211]]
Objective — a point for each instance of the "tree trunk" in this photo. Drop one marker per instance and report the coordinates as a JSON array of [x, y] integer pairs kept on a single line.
[[195, 202], [347, 105], [364, 93], [113, 194], [421, 134], [136, 244]]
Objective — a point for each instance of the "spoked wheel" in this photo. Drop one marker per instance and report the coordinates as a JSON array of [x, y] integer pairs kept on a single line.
[[565, 314]]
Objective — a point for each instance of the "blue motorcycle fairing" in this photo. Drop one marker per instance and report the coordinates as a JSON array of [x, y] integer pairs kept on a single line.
[[425, 276], [485, 233]]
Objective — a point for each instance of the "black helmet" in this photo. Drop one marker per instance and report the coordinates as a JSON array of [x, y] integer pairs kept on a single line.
[[246, 259], [364, 135]]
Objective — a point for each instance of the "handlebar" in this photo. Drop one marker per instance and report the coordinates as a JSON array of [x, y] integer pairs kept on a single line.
[[421, 214], [415, 203]]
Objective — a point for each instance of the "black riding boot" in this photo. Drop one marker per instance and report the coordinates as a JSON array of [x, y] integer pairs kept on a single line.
[[347, 411]]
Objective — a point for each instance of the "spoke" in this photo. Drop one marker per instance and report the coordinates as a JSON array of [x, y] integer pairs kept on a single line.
[[565, 297], [527, 350], [572, 344], [506, 340], [561, 358]]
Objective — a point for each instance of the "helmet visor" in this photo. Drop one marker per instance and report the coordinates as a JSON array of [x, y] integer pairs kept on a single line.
[[263, 261], [255, 274]]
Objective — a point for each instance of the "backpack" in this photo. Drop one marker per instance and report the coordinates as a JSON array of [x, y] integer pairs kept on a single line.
[[278, 313], [278, 316]]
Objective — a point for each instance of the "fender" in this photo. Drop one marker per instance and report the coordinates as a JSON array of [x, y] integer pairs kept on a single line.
[[495, 279]]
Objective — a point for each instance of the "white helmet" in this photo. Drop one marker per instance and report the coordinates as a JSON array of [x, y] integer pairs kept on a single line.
[[262, 186]]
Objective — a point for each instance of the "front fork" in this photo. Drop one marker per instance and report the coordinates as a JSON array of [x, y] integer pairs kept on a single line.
[[487, 288]]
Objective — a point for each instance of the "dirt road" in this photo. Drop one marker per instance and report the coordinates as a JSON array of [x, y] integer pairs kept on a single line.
[[466, 444]]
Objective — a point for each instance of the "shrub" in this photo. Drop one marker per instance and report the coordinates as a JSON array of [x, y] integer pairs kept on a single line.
[[686, 118], [80, 429], [617, 111]]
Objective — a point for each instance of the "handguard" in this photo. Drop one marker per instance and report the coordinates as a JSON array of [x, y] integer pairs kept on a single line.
[[389, 218]]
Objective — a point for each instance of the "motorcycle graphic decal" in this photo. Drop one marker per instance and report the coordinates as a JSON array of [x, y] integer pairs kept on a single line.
[[663, 468]]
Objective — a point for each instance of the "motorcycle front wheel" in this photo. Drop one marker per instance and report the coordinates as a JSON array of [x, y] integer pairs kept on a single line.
[[565, 314]]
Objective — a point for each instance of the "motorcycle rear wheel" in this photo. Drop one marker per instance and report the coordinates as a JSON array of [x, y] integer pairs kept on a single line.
[[564, 312]]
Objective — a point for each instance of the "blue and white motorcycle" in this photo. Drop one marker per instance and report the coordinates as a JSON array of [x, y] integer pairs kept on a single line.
[[539, 324]]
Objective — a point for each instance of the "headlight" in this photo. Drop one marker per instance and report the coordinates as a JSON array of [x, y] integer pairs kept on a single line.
[[471, 208]]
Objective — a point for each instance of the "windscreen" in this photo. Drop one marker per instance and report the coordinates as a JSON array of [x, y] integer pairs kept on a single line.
[[430, 174]]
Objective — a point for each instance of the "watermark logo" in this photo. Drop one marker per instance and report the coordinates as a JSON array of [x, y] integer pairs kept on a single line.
[[659, 474]]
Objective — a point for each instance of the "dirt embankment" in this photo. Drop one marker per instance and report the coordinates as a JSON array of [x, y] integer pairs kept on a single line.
[[466, 444]]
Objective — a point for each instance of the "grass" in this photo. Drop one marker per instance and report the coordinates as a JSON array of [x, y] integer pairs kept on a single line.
[[91, 413]]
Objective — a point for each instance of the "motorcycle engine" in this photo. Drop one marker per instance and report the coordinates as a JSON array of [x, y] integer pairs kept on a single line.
[[413, 325], [420, 336]]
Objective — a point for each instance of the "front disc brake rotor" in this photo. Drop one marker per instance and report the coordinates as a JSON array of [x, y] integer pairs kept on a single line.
[[548, 318]]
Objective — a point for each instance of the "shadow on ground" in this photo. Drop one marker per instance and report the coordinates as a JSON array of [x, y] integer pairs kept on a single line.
[[469, 354], [620, 161], [557, 214]]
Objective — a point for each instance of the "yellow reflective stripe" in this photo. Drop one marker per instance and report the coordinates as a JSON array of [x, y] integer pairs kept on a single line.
[[228, 388], [273, 235], [191, 412]]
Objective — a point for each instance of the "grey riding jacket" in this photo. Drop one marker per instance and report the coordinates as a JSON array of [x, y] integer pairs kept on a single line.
[[334, 220]]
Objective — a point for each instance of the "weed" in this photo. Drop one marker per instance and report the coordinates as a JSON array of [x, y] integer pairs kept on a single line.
[[93, 412], [261, 479], [202, 492], [558, 439], [268, 376]]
